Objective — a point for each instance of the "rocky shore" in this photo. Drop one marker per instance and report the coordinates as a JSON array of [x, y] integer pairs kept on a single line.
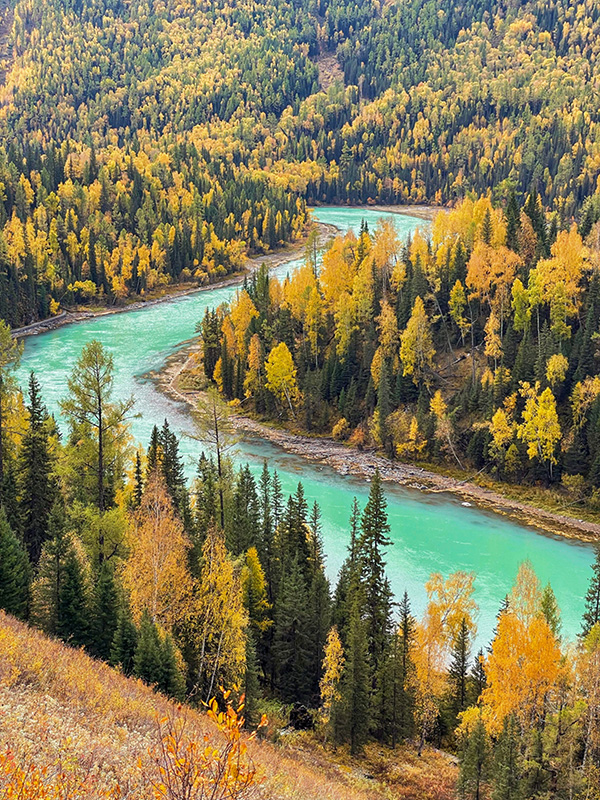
[[348, 460], [272, 260]]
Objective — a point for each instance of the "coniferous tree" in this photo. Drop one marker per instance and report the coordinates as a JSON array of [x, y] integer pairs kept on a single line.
[[592, 598], [292, 639], [550, 610], [356, 684], [474, 762], [458, 671], [14, 571], [477, 678], [124, 643], [147, 662], [138, 482], [172, 681], [36, 487], [377, 593], [104, 612], [506, 770], [73, 609], [251, 685]]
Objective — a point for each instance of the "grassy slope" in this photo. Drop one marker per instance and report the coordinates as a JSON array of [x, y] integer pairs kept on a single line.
[[60, 707]]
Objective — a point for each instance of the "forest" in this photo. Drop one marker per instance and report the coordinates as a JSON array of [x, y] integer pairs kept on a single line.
[[221, 582], [475, 347], [147, 144]]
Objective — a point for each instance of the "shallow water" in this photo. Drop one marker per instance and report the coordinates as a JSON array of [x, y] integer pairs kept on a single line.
[[430, 532]]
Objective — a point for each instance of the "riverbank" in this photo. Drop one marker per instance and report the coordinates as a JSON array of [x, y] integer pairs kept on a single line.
[[347, 460], [272, 260]]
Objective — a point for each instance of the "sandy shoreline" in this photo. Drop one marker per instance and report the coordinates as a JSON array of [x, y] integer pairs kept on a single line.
[[347, 460]]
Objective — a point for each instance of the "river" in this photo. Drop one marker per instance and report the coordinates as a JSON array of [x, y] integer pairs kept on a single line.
[[429, 532]]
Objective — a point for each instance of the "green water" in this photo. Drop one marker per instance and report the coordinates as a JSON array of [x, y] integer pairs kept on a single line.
[[430, 532]]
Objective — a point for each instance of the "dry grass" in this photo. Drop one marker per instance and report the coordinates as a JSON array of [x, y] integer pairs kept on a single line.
[[65, 713]]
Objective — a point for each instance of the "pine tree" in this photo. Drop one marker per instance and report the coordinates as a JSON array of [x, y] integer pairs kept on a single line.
[[36, 487], [356, 684], [147, 662], [458, 671], [477, 678], [251, 683], [172, 681], [551, 611], [14, 571], [474, 762], [266, 539], [374, 537], [105, 612], [592, 598], [138, 482], [245, 519], [319, 611], [292, 639], [506, 771], [154, 456], [73, 608], [124, 643]]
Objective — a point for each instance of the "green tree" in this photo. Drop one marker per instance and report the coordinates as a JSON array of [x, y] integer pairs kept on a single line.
[[507, 763], [356, 684], [377, 593], [474, 762], [592, 599], [100, 422], [459, 670], [124, 643], [104, 612], [292, 640], [10, 357], [36, 485], [14, 571], [74, 609]]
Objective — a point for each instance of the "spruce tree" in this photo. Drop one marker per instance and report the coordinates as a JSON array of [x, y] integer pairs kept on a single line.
[[147, 662], [251, 685], [172, 681], [507, 771], [458, 671], [356, 684], [319, 612], [14, 571], [551, 611], [266, 538], [477, 678], [124, 643], [592, 598], [474, 762], [244, 528], [36, 486], [373, 539], [105, 612], [73, 608], [292, 638], [138, 482]]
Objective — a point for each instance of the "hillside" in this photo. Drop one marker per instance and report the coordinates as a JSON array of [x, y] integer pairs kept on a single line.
[[152, 143], [79, 719]]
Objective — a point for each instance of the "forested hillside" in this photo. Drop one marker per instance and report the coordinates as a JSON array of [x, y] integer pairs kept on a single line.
[[148, 143], [216, 588]]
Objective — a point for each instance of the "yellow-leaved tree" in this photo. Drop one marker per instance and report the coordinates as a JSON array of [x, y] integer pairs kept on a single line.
[[450, 603], [416, 347], [281, 376], [540, 427], [217, 619], [524, 669], [156, 574]]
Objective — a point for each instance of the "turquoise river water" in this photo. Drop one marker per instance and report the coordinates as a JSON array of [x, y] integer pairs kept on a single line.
[[430, 532]]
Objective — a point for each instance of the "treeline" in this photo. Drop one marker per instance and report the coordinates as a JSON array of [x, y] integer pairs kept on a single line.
[[82, 228], [476, 346], [180, 137], [221, 582]]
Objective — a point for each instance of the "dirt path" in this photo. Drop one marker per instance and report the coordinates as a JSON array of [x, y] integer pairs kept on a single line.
[[347, 460]]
